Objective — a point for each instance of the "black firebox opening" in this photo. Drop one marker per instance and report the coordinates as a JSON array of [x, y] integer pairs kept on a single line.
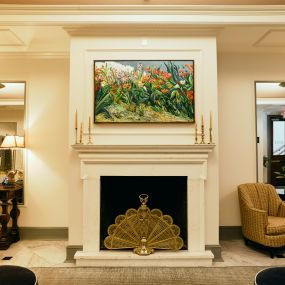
[[119, 193]]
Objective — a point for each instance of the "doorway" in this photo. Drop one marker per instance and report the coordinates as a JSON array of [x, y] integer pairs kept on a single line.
[[270, 129], [276, 150]]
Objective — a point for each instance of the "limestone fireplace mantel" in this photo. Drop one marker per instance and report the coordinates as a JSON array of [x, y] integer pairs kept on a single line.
[[144, 160], [147, 153]]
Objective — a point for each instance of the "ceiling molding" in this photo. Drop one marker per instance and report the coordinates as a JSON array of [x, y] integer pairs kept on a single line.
[[270, 101], [141, 9], [9, 102], [141, 30], [34, 55], [144, 2], [263, 40], [9, 38], [81, 15]]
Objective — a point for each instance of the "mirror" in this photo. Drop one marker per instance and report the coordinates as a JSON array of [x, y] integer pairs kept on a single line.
[[270, 129], [12, 114]]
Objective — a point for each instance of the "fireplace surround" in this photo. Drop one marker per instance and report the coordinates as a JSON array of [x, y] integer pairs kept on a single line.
[[189, 161]]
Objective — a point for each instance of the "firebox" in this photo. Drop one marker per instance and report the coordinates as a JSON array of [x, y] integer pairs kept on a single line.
[[120, 193]]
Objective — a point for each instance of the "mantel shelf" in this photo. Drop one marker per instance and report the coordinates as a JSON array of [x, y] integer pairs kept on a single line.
[[192, 148]]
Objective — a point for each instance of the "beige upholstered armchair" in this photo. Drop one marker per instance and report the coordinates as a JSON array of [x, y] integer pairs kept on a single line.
[[262, 215]]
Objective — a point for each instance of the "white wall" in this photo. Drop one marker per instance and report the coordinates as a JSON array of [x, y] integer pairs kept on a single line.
[[46, 190], [237, 138], [47, 99], [84, 51]]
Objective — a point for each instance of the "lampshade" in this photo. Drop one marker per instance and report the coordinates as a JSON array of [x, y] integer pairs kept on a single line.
[[20, 141], [13, 142]]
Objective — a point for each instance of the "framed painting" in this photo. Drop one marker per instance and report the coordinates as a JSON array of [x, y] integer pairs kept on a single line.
[[144, 91]]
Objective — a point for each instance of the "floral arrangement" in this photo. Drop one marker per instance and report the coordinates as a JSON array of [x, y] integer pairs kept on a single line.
[[144, 91]]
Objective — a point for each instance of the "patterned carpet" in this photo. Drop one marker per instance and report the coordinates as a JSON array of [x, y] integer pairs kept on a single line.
[[146, 275]]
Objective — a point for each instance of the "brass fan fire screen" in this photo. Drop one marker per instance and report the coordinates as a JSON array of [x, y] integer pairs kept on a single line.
[[143, 230]]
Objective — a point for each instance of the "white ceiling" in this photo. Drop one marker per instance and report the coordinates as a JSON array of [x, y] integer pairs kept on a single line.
[[270, 97], [12, 90], [270, 90], [252, 39], [230, 39], [51, 39], [33, 39], [12, 95]]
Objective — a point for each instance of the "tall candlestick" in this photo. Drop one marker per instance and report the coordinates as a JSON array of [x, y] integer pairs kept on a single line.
[[89, 131], [210, 129], [76, 127], [202, 131], [81, 133]]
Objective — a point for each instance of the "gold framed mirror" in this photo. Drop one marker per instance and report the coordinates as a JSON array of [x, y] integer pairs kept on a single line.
[[270, 130], [12, 120]]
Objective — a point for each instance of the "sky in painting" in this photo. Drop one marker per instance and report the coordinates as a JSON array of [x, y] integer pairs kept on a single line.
[[149, 63]]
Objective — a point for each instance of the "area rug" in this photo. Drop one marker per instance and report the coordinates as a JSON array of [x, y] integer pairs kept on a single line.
[[146, 275]]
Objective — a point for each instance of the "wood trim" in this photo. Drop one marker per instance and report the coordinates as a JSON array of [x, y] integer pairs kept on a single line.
[[47, 233], [70, 252], [34, 55], [217, 251], [230, 232], [143, 2]]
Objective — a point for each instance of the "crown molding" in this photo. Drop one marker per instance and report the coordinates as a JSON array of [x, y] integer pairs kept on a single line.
[[139, 9], [68, 15], [145, 2], [34, 55], [12, 102], [141, 30]]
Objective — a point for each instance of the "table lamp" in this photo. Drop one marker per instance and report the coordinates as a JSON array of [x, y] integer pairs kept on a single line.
[[13, 143]]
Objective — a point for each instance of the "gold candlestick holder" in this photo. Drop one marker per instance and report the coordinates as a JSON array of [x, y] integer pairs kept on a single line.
[[89, 139], [210, 136], [81, 134], [76, 141], [89, 132], [202, 135], [196, 134]]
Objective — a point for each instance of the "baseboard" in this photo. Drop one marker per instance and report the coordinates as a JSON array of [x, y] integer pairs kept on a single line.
[[216, 250], [49, 233], [226, 233], [230, 232], [71, 250]]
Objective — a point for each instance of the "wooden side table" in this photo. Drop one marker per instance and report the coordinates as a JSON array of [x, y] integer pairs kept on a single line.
[[8, 193]]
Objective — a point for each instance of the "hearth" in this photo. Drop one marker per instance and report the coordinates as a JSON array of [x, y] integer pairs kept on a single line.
[[119, 193]]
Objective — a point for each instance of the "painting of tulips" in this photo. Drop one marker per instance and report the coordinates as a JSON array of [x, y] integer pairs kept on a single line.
[[134, 91]]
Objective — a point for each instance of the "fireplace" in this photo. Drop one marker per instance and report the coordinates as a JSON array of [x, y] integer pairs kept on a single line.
[[119, 193], [105, 172]]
